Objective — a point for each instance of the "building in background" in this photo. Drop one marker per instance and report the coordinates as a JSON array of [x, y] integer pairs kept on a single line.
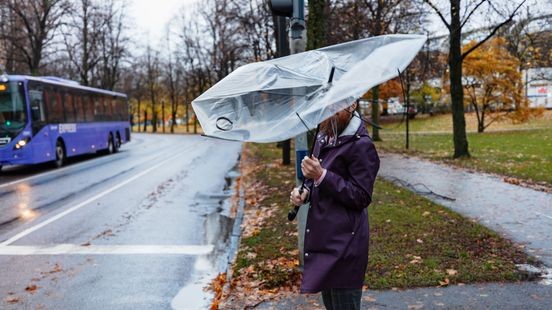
[[538, 87]]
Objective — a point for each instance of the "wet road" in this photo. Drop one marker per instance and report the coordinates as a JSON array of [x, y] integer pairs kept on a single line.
[[139, 229], [522, 214]]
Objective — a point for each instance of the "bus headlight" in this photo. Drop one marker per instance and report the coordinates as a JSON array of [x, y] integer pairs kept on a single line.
[[21, 143]]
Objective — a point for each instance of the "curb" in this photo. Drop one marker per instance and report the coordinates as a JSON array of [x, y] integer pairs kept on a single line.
[[235, 239]]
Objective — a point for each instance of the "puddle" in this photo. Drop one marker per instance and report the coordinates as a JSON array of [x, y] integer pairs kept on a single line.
[[218, 230]]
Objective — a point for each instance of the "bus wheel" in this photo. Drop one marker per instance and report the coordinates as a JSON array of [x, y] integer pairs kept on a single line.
[[60, 154], [110, 145], [117, 144]]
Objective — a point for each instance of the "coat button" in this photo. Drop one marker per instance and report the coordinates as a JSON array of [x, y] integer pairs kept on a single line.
[[308, 231], [358, 136], [306, 254], [320, 160], [353, 233]]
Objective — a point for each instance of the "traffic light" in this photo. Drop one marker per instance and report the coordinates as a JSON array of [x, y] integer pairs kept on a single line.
[[282, 7]]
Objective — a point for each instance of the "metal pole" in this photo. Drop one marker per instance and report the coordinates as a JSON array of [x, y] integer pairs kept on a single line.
[[163, 114], [407, 98], [282, 47], [297, 44], [407, 122]]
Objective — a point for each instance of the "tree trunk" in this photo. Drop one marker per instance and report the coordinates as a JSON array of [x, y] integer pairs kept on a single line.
[[138, 115], [187, 117], [145, 120], [481, 124], [317, 24], [375, 113], [456, 89]]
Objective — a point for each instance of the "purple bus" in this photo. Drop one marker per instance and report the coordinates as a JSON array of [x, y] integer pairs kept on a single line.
[[48, 119]]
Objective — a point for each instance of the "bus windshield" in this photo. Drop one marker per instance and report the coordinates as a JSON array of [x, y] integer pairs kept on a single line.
[[13, 112]]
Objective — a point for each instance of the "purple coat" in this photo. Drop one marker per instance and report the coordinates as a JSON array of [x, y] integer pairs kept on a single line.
[[336, 234]]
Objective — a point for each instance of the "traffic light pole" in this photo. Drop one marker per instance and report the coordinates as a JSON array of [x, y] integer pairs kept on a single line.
[[298, 43], [295, 9]]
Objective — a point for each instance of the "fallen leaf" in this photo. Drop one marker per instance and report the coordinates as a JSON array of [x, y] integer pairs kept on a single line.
[[452, 272], [368, 299], [444, 283], [11, 300], [31, 288], [426, 213], [419, 240]]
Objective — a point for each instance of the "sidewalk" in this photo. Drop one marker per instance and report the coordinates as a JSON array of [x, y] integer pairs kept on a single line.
[[529, 295], [523, 215]]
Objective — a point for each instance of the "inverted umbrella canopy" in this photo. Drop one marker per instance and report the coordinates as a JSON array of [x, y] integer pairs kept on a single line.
[[259, 102]]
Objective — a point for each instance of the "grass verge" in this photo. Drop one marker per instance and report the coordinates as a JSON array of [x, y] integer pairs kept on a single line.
[[526, 155], [414, 242]]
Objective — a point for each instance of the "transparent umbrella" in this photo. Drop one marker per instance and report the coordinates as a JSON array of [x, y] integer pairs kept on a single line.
[[273, 100]]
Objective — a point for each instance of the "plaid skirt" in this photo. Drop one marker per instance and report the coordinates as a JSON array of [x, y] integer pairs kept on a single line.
[[342, 298]]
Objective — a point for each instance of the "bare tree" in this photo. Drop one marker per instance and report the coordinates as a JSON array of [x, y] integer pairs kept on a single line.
[[152, 81], [113, 43], [171, 78], [35, 23], [458, 19], [373, 18], [82, 37]]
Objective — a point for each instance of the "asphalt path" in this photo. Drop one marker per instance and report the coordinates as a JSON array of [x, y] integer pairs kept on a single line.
[[131, 230]]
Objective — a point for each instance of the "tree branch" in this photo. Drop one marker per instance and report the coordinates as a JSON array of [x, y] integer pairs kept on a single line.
[[490, 35], [447, 24], [471, 13]]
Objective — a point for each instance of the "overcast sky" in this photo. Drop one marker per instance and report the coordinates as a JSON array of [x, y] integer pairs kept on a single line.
[[150, 17]]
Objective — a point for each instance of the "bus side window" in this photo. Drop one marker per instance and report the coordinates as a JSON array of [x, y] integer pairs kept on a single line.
[[54, 106], [79, 108], [115, 112], [98, 108], [69, 108], [88, 105], [107, 108], [122, 109], [37, 106]]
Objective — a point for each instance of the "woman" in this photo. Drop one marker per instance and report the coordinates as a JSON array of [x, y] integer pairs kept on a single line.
[[340, 178]]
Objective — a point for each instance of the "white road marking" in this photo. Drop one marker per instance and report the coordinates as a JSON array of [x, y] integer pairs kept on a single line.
[[84, 203], [73, 249]]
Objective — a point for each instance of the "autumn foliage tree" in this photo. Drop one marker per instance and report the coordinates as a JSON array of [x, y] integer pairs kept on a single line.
[[455, 22], [492, 82]]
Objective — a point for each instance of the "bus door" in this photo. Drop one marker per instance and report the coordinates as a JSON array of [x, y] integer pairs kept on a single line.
[[42, 146]]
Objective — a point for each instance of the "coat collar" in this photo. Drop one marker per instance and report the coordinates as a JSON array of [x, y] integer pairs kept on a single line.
[[352, 127], [354, 130]]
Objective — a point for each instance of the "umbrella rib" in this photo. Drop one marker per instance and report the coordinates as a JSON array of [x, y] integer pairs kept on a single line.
[[304, 124]]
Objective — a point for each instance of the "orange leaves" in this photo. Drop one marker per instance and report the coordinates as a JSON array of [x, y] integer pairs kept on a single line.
[[216, 286]]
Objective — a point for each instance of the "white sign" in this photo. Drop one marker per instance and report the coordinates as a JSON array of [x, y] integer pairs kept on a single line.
[[67, 128]]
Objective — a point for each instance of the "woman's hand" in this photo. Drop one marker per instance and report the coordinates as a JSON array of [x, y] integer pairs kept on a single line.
[[296, 198], [311, 168]]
